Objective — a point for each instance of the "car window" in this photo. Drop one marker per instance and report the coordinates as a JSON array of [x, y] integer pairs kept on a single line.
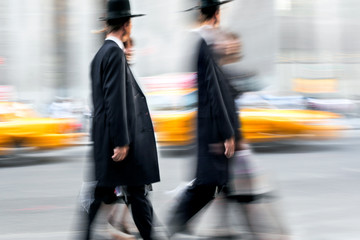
[[271, 101], [286, 102], [252, 101], [173, 102]]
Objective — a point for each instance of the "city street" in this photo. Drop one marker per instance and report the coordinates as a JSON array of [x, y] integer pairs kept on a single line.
[[317, 184], [292, 67]]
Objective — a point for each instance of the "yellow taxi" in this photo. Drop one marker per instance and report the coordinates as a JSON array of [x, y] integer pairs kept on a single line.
[[173, 113], [20, 126], [174, 117], [266, 125]]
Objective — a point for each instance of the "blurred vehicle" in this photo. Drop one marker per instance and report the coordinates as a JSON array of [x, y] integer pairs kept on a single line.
[[174, 118], [267, 125], [272, 117], [21, 127], [343, 106], [174, 113], [70, 108]]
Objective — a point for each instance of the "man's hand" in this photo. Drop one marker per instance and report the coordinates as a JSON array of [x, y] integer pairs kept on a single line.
[[229, 147], [120, 153]]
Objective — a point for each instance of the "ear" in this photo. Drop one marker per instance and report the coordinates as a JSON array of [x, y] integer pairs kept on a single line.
[[127, 23], [217, 16]]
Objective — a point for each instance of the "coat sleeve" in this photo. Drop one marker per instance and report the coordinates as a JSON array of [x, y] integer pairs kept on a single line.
[[114, 87], [237, 128], [218, 106], [233, 112]]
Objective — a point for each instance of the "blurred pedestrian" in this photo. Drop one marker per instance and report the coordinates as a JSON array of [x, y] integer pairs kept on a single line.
[[129, 51], [248, 184], [217, 48], [125, 153], [217, 123]]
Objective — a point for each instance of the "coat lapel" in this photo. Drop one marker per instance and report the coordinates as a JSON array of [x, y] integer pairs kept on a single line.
[[134, 82]]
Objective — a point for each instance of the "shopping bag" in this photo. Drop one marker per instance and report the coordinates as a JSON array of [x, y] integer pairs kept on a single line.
[[86, 195], [246, 177]]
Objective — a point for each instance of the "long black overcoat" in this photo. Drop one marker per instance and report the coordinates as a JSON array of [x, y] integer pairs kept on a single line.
[[217, 119], [121, 117]]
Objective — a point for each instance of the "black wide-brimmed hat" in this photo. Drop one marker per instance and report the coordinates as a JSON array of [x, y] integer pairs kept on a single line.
[[119, 9], [207, 3]]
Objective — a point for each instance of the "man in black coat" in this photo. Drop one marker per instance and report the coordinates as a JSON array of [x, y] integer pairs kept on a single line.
[[217, 124], [124, 144]]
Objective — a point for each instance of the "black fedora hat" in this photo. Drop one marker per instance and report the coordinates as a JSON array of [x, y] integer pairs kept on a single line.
[[119, 9], [208, 3]]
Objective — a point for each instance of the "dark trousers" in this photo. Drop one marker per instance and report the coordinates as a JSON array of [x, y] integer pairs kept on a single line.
[[141, 208], [192, 201]]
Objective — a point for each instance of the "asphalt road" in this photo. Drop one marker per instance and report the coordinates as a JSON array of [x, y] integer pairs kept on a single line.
[[316, 182]]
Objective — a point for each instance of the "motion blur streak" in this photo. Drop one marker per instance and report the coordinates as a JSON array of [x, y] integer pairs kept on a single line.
[[299, 72]]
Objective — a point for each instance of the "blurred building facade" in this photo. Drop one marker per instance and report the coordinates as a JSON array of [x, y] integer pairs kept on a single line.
[[319, 47], [46, 45]]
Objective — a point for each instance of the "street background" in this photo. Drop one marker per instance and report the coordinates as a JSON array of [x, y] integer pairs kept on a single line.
[[316, 185], [308, 49]]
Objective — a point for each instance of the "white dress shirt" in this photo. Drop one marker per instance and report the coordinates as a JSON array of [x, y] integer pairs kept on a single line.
[[117, 41]]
